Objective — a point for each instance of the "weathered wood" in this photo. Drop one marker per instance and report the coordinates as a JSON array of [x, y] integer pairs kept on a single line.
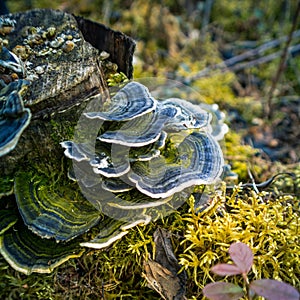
[[61, 78], [119, 46]]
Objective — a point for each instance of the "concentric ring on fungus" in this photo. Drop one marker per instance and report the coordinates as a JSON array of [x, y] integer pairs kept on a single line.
[[145, 159], [197, 160], [132, 101]]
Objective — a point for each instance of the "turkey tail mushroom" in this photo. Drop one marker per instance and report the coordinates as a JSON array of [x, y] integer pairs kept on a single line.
[[14, 117]]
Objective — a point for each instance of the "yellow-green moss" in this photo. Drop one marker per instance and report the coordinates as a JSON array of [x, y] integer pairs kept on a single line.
[[238, 155], [116, 79], [269, 227]]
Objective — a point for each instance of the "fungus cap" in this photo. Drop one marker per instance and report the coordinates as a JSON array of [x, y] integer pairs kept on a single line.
[[131, 101], [147, 152], [28, 253], [197, 160], [11, 61], [104, 164], [141, 131], [14, 117], [116, 185], [51, 213], [112, 231], [77, 151], [184, 115]]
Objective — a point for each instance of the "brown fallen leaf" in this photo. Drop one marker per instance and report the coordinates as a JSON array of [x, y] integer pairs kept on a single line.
[[162, 273]]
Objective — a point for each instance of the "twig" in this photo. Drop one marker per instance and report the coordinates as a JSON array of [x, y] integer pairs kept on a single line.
[[264, 184], [263, 59], [248, 54], [106, 12], [253, 181], [259, 50], [232, 66], [282, 63]]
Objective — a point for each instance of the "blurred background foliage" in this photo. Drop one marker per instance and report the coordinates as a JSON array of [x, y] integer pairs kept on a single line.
[[189, 41]]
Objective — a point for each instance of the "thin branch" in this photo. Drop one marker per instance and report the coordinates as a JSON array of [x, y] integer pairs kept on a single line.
[[229, 63], [260, 50], [263, 59]]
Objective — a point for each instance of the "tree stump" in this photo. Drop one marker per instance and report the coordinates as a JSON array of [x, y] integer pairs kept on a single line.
[[61, 57]]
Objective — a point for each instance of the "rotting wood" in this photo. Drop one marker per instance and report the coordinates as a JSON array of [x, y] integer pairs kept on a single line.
[[60, 80]]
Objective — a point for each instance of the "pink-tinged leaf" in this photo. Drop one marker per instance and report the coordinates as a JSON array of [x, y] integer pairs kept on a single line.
[[274, 290], [222, 291], [226, 270], [242, 256]]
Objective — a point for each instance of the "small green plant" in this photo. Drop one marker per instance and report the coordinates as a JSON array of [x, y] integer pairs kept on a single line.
[[242, 256]]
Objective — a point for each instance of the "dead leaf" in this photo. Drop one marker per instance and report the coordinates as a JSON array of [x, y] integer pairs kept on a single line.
[[162, 273]]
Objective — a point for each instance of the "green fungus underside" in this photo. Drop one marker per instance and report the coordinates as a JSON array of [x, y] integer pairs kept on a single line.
[[27, 253], [8, 218], [57, 211]]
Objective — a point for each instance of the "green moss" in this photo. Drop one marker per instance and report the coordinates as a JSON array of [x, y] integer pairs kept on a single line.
[[238, 155], [61, 130], [115, 79], [269, 227]]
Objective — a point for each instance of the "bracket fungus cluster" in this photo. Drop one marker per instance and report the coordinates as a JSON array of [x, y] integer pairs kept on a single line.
[[146, 154], [136, 158], [159, 147]]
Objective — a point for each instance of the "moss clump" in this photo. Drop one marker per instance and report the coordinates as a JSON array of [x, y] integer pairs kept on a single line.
[[115, 79], [61, 129], [268, 226], [239, 156]]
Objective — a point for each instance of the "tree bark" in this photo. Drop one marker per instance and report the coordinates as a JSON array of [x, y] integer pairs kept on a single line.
[[61, 78]]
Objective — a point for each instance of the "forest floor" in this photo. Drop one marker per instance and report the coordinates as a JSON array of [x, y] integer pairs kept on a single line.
[[262, 111]]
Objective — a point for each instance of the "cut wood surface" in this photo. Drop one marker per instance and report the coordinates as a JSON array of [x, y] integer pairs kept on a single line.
[[61, 57]]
